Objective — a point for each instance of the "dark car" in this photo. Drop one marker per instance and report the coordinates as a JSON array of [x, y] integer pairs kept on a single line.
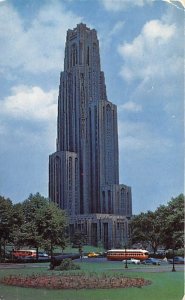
[[43, 254], [43, 257], [178, 260], [151, 261]]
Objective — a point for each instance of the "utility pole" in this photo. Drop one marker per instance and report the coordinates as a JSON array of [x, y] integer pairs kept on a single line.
[[126, 265]]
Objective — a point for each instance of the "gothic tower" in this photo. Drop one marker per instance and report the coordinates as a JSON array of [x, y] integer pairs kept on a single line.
[[84, 170]]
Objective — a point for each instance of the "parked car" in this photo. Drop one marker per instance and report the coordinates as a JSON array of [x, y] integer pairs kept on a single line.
[[44, 257], [132, 261], [93, 254], [161, 252], [178, 260], [41, 257], [151, 261], [42, 254]]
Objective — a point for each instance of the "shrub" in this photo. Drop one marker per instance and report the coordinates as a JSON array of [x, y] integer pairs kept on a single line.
[[67, 264]]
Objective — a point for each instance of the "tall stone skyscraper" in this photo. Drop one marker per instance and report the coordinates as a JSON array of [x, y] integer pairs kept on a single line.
[[84, 170]]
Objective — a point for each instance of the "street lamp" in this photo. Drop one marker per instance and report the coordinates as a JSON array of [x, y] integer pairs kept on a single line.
[[126, 266], [173, 269], [80, 251]]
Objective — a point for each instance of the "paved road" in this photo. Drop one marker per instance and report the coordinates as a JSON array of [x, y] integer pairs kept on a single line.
[[114, 265], [152, 269], [164, 267]]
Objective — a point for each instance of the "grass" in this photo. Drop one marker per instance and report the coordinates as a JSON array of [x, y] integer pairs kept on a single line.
[[86, 249], [165, 285]]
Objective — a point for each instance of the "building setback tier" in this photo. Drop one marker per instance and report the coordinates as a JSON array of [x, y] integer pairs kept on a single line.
[[108, 231]]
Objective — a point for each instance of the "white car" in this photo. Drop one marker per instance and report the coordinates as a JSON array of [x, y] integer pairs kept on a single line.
[[132, 261]]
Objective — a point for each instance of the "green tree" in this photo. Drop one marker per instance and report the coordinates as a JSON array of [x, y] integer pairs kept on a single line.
[[28, 217], [52, 226], [43, 224], [172, 222], [78, 239], [32, 205], [164, 226], [17, 216], [145, 230], [6, 211]]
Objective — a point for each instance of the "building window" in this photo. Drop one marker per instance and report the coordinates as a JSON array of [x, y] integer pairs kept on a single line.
[[88, 55], [74, 55], [109, 203], [103, 203], [81, 53]]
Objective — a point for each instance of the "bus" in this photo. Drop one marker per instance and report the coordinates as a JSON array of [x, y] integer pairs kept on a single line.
[[24, 253], [122, 254]]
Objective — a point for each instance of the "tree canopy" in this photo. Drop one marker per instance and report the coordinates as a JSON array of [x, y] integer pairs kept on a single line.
[[35, 223], [38, 223], [164, 226], [6, 212]]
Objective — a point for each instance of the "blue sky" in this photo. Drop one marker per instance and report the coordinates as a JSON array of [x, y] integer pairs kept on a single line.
[[142, 55]]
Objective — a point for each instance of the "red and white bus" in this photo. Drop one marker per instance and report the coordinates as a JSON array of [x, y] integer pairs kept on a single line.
[[121, 254], [24, 253]]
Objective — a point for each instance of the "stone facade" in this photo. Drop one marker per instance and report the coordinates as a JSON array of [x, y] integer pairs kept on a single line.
[[84, 171], [110, 231]]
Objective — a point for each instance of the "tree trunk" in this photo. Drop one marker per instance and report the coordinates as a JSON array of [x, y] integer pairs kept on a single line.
[[51, 249], [4, 249], [0, 250], [37, 254]]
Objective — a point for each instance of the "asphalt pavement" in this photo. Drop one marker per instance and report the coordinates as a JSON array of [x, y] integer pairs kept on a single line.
[[113, 265]]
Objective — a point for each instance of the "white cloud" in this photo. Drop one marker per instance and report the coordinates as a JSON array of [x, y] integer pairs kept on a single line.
[[28, 121], [119, 5], [130, 106], [30, 103], [138, 136], [156, 30], [151, 53], [108, 35], [38, 46], [153, 69], [116, 28]]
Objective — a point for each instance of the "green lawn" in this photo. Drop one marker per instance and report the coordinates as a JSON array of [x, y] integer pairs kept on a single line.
[[165, 285]]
